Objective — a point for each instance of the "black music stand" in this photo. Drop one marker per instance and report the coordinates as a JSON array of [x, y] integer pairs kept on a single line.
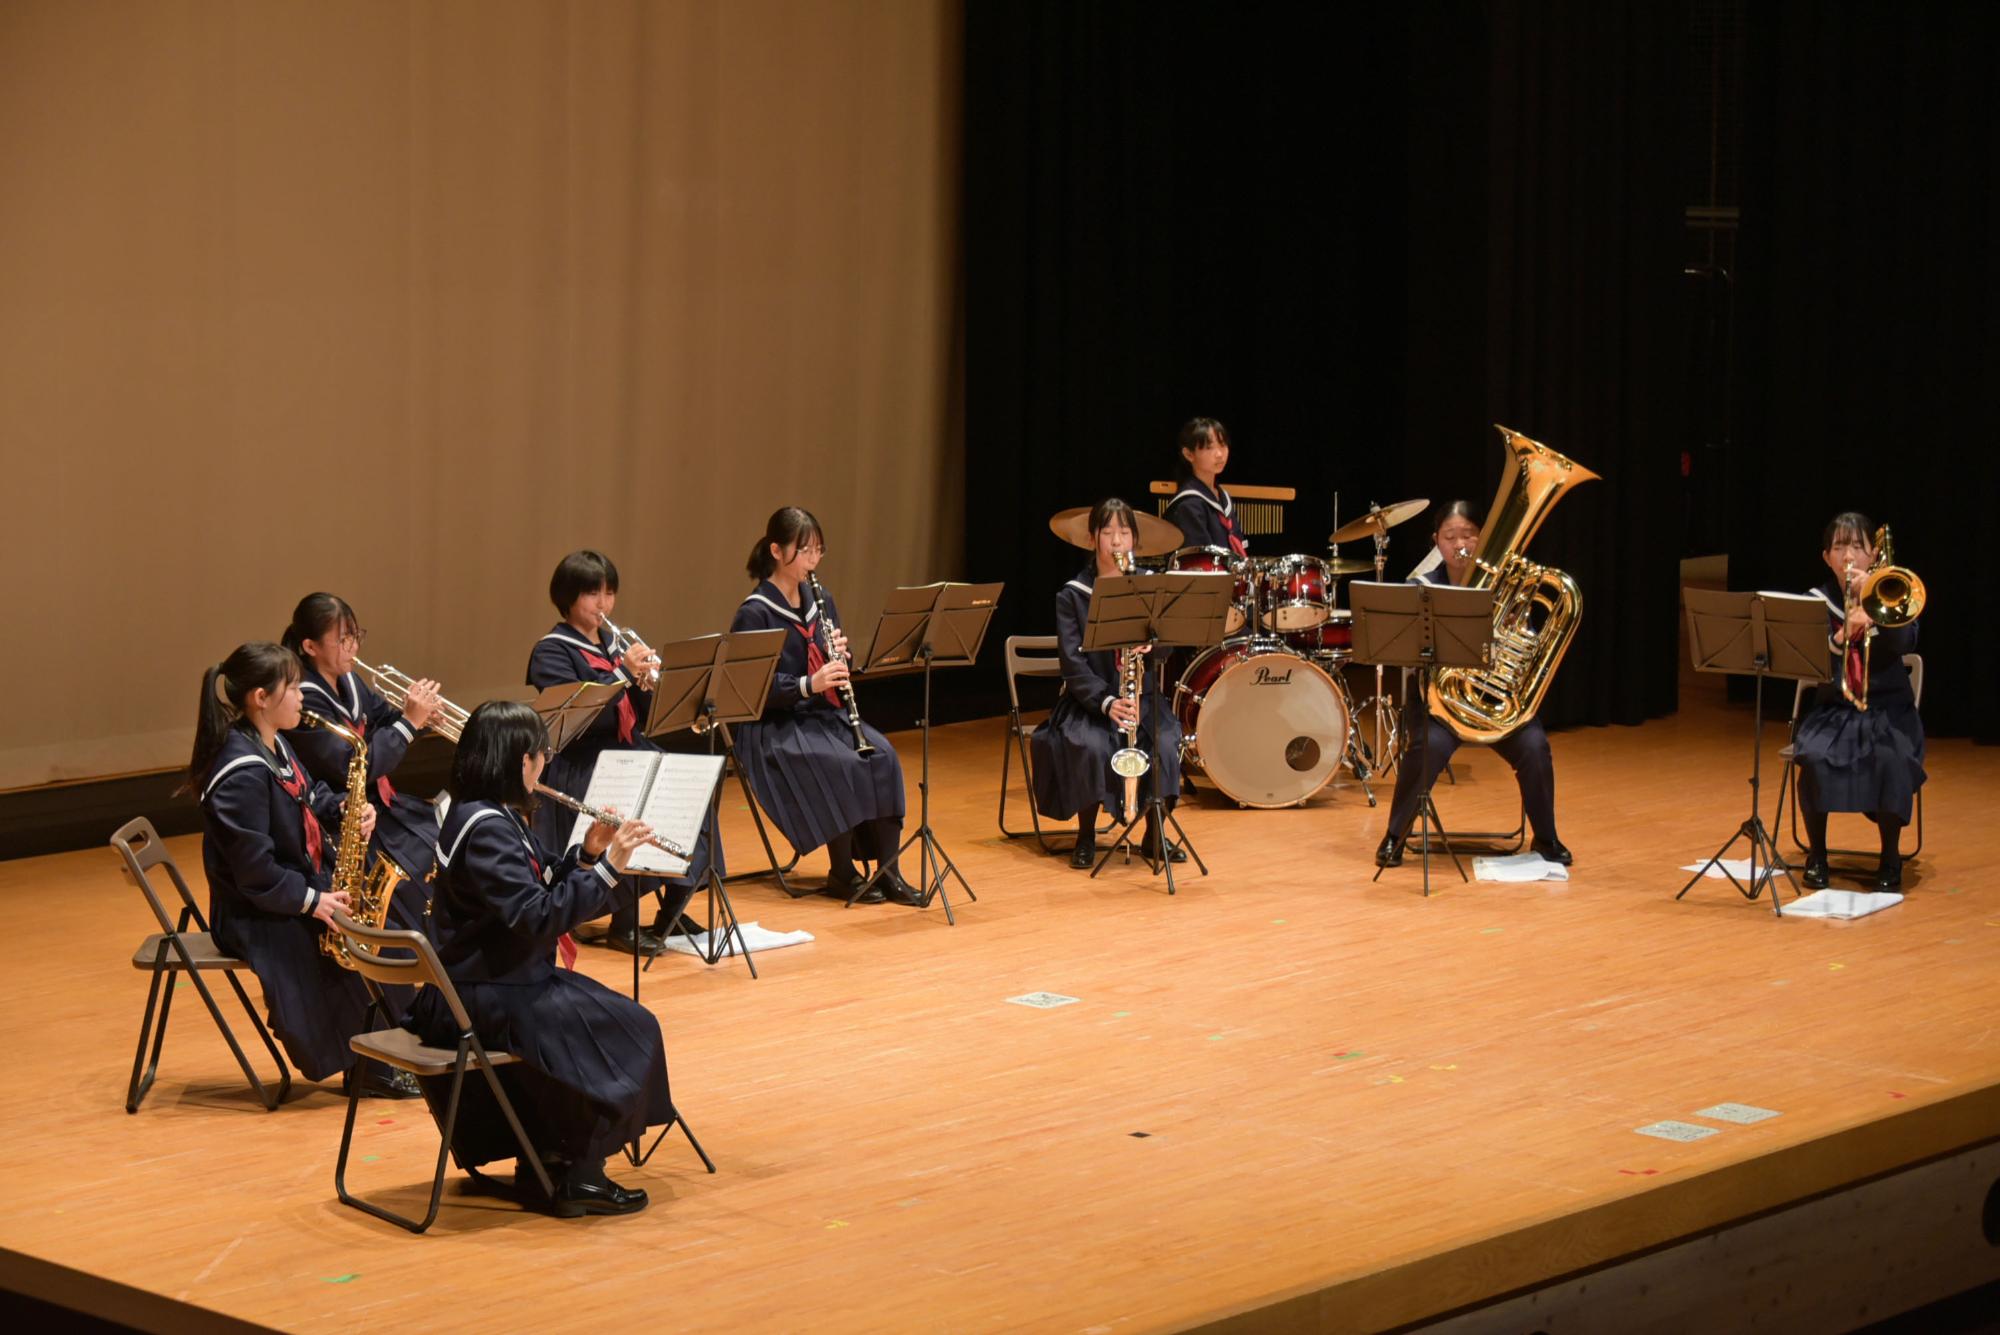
[[1761, 635], [1181, 609], [705, 684], [932, 625], [1422, 626], [569, 709]]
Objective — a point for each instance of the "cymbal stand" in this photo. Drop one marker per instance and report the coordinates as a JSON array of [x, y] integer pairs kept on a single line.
[[1385, 720]]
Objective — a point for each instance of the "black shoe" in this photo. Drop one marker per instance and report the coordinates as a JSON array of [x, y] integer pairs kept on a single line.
[[1150, 850], [587, 1191], [681, 926], [628, 940], [1889, 875], [1552, 850], [1814, 875], [841, 884], [1389, 853], [1083, 856], [896, 890]]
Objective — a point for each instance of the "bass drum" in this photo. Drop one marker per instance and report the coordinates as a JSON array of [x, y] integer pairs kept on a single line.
[[1267, 727]]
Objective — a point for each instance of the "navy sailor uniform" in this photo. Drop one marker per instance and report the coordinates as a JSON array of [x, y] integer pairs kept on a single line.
[[566, 655], [1869, 760], [405, 826], [1526, 749], [799, 755], [1206, 517], [593, 1066], [268, 849], [1072, 751]]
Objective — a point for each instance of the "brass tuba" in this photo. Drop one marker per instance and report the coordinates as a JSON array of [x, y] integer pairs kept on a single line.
[[1485, 704], [368, 888]]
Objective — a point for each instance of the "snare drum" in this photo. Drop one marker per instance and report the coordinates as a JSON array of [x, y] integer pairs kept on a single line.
[[1297, 591], [1332, 638], [1267, 727], [1220, 560]]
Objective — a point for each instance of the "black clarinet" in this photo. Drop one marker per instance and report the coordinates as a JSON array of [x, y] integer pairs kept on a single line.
[[862, 746]]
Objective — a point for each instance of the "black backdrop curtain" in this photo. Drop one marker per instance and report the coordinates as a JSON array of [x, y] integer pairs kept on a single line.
[[1868, 290], [1358, 237]]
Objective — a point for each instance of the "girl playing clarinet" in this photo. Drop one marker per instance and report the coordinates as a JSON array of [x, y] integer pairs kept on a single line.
[[582, 647], [592, 1069], [268, 830], [327, 638], [1072, 751], [801, 757], [1851, 759]]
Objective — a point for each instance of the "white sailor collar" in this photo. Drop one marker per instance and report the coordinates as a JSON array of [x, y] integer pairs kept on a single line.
[[284, 766], [1227, 505], [775, 600], [347, 700]]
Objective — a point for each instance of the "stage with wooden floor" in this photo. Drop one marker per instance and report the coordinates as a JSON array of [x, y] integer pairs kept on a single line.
[[1285, 1097]]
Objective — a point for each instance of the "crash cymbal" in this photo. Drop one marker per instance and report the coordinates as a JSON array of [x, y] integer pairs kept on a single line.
[[1379, 520], [1156, 537]]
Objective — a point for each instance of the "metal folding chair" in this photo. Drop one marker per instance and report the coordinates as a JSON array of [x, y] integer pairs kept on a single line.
[[173, 952], [1027, 656]]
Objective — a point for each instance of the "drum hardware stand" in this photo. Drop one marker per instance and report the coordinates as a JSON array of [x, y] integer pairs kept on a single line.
[[1419, 626], [1758, 635], [913, 624], [1172, 610]]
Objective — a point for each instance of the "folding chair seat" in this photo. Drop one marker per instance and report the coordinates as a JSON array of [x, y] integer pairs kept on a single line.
[[1027, 656], [1788, 784]]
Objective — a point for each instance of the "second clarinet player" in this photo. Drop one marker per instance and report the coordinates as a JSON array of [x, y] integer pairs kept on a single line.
[[802, 757]]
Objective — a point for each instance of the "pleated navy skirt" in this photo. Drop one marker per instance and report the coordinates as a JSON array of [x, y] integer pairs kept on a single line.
[[314, 1005], [592, 1073], [804, 771], [1861, 760], [1072, 754]]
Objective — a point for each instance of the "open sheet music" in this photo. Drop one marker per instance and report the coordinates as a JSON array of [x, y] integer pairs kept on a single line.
[[667, 790]]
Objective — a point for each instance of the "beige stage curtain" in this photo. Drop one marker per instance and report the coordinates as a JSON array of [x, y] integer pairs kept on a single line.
[[405, 300]]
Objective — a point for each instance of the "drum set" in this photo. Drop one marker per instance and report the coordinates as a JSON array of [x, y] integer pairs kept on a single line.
[[1267, 716]]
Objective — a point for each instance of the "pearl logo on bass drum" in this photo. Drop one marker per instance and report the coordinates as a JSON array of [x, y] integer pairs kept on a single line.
[[1266, 677]]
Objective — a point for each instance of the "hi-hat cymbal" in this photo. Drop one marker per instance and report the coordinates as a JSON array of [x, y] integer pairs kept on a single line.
[[1156, 537], [1379, 520], [1350, 565]]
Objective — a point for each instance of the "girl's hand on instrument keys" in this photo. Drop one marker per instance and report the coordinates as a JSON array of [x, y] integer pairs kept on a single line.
[[421, 704], [1124, 712], [1858, 623], [597, 836], [625, 842], [328, 902], [640, 661], [838, 639], [367, 820], [830, 677]]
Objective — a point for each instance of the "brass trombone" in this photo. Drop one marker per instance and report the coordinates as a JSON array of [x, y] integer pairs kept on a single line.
[[394, 686], [1891, 595]]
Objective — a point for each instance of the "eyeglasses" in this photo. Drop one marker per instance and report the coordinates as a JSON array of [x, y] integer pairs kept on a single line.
[[357, 638]]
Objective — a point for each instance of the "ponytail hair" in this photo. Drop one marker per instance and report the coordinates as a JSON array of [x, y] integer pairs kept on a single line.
[[788, 526], [225, 688], [1847, 524], [1445, 511], [317, 616]]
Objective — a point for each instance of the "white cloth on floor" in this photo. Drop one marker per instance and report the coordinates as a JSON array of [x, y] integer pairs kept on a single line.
[[757, 938], [1842, 903]]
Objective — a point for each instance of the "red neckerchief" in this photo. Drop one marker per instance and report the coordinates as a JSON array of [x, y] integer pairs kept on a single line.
[[815, 660], [627, 717], [296, 786], [1229, 530], [1857, 680], [565, 944]]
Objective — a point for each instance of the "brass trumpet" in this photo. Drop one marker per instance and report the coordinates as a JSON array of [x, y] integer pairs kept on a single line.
[[1891, 595], [394, 686], [626, 640]]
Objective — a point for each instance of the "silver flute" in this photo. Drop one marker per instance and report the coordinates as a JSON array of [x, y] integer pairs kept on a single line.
[[603, 817], [862, 746]]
